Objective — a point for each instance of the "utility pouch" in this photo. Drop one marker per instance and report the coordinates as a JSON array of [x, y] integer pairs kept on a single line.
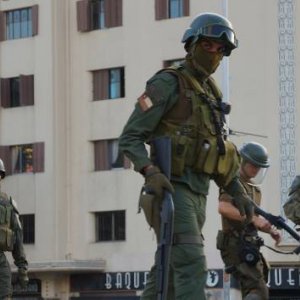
[[221, 240], [228, 164], [211, 161], [6, 233], [151, 207], [202, 152], [249, 253], [180, 144], [6, 238]]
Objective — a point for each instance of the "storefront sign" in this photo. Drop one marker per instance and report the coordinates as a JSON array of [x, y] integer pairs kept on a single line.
[[284, 278], [279, 278], [126, 280]]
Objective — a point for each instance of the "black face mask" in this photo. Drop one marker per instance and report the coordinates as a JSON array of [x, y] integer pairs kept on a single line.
[[205, 61]]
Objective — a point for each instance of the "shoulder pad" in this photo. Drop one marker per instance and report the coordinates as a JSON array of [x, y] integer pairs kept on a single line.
[[295, 185], [161, 86]]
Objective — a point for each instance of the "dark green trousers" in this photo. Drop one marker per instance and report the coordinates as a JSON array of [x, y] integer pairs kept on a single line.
[[188, 270], [5, 277]]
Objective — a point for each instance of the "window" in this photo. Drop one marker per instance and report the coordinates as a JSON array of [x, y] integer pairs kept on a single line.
[[98, 14], [108, 84], [28, 222], [17, 91], [19, 23], [22, 161], [107, 156], [25, 158], [110, 226], [172, 62], [167, 9]]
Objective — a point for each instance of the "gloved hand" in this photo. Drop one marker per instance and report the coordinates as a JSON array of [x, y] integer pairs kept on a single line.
[[23, 278], [156, 182], [240, 199]]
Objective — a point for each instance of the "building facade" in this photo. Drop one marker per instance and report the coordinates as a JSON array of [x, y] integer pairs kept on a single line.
[[70, 73]]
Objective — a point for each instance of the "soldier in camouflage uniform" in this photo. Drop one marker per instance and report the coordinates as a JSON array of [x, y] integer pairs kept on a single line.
[[292, 205], [185, 104], [238, 241], [11, 240]]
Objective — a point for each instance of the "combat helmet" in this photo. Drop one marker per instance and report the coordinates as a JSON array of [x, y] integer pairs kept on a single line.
[[256, 154], [2, 169], [211, 25]]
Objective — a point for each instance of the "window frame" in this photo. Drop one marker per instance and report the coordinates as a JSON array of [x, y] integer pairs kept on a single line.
[[102, 84], [28, 225], [38, 159], [12, 30], [21, 87], [113, 233], [104, 156], [163, 9]]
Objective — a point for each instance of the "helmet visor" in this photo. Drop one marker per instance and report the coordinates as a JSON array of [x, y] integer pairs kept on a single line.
[[217, 31], [260, 176]]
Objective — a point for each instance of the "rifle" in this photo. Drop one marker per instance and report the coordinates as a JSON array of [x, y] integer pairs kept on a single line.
[[278, 222], [162, 150]]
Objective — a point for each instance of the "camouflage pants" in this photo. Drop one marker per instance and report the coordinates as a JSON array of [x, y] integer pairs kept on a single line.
[[252, 278], [188, 271], [5, 278]]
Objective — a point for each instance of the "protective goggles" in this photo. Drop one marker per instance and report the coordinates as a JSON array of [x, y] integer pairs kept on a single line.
[[217, 31]]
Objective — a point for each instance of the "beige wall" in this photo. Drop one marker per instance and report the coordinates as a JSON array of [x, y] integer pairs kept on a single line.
[[65, 117]]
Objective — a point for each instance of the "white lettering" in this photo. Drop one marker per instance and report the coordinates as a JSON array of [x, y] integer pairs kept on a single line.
[[119, 281], [127, 280], [290, 279], [108, 281], [278, 277], [145, 278], [136, 280]]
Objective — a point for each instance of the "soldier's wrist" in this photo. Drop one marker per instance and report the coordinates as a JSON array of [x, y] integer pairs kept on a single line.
[[150, 170]]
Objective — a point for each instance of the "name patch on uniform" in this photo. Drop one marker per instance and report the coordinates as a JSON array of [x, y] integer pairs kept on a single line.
[[145, 102]]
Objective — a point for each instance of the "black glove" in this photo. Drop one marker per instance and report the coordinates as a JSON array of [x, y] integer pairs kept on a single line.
[[23, 278], [240, 199], [156, 182]]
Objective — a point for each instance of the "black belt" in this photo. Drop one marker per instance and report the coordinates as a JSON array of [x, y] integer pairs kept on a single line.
[[180, 238]]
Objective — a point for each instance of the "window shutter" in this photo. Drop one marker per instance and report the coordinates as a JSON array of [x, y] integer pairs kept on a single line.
[[2, 26], [115, 12], [26, 90], [101, 155], [35, 19], [101, 84], [186, 7], [107, 13], [5, 92], [161, 9], [5, 155], [38, 157], [84, 20]]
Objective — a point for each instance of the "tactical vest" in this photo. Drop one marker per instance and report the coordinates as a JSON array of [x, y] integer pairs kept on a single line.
[[196, 127], [6, 232]]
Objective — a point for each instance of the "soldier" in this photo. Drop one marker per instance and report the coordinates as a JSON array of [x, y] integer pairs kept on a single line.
[[11, 239], [239, 242], [292, 205], [185, 104]]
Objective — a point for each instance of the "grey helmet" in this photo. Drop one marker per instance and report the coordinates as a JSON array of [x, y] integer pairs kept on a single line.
[[2, 169], [256, 154], [211, 25]]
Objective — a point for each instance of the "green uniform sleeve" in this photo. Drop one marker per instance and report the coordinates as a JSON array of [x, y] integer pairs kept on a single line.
[[162, 91], [18, 252]]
